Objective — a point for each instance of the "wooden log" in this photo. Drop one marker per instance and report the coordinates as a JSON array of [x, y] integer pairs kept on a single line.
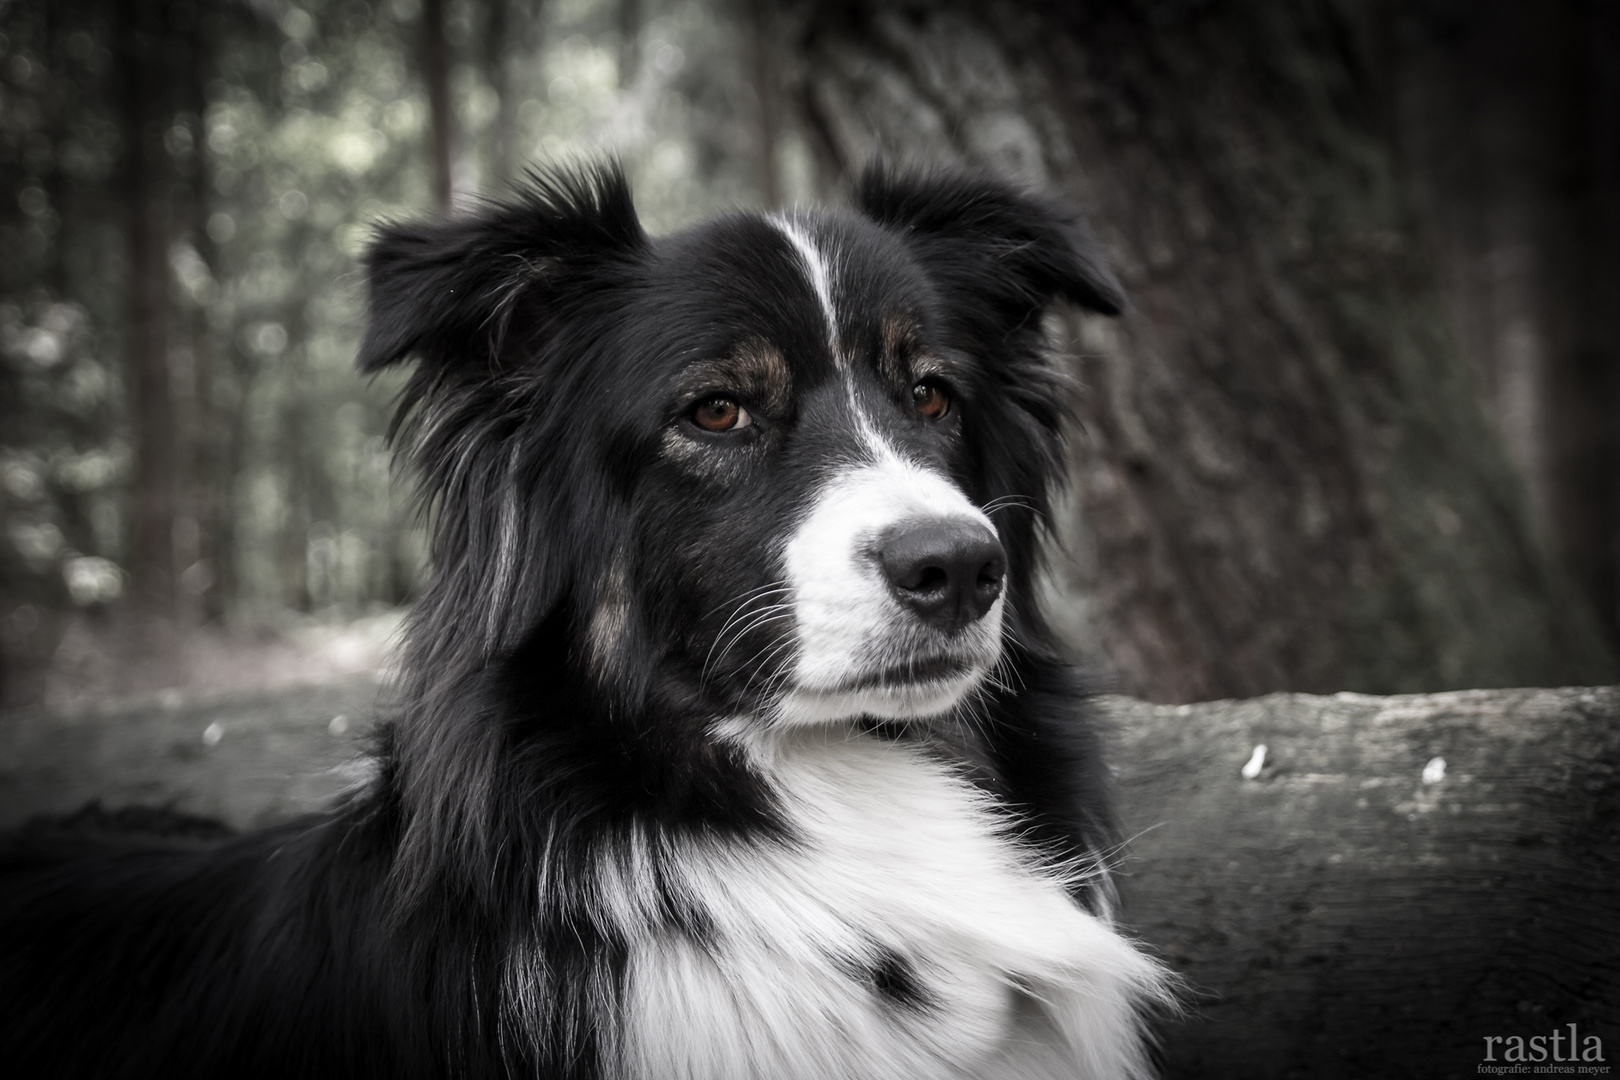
[[1354, 909], [1360, 909]]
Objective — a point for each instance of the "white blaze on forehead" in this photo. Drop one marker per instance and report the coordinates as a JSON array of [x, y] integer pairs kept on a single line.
[[817, 268], [874, 443]]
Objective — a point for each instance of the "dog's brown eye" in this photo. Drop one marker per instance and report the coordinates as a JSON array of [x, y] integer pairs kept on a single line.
[[720, 414], [930, 400]]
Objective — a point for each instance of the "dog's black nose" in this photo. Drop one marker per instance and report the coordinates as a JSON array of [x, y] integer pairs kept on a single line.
[[947, 571]]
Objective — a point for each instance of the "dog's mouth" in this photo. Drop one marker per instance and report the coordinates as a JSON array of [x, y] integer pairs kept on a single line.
[[927, 686], [924, 671]]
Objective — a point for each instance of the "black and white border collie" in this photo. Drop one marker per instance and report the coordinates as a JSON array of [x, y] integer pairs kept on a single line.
[[730, 741]]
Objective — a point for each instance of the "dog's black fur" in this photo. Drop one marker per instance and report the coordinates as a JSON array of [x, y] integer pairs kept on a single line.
[[560, 675]]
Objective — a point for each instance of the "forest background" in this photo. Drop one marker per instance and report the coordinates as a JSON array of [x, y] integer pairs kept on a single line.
[[1361, 430]]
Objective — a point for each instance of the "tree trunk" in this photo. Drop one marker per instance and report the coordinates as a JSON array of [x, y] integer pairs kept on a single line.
[[766, 69], [508, 38], [1285, 477], [630, 18], [310, 500], [55, 180], [1515, 124], [146, 359], [199, 593], [441, 121]]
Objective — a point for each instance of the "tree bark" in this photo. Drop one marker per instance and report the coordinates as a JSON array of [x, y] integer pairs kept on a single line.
[[1285, 478]]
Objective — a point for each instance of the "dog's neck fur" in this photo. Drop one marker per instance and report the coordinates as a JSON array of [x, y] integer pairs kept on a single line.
[[896, 910]]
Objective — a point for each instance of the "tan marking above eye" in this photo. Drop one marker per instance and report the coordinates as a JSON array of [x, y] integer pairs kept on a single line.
[[720, 413], [754, 369], [931, 400]]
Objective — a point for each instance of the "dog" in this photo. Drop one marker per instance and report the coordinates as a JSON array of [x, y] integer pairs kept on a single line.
[[730, 741]]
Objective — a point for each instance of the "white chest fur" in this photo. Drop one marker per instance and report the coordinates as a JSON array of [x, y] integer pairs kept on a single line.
[[901, 869]]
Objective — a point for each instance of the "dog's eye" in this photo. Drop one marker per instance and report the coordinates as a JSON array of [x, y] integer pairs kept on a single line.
[[721, 414], [931, 400]]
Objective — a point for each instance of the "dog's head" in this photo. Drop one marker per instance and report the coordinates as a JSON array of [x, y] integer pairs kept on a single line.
[[787, 467]]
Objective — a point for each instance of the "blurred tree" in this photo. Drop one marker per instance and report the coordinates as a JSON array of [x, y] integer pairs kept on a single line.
[[195, 261], [143, 38], [1512, 113], [764, 53], [63, 450], [1286, 479], [436, 74], [630, 19], [507, 40]]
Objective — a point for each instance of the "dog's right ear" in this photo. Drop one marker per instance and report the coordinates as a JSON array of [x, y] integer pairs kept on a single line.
[[445, 291], [1001, 254]]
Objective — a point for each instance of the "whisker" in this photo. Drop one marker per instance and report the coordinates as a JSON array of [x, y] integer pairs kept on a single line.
[[770, 614], [1005, 501], [976, 721], [775, 678], [761, 662], [747, 595], [754, 619], [745, 601]]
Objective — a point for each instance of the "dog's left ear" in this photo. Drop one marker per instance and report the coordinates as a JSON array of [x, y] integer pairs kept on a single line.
[[445, 291], [1003, 253]]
